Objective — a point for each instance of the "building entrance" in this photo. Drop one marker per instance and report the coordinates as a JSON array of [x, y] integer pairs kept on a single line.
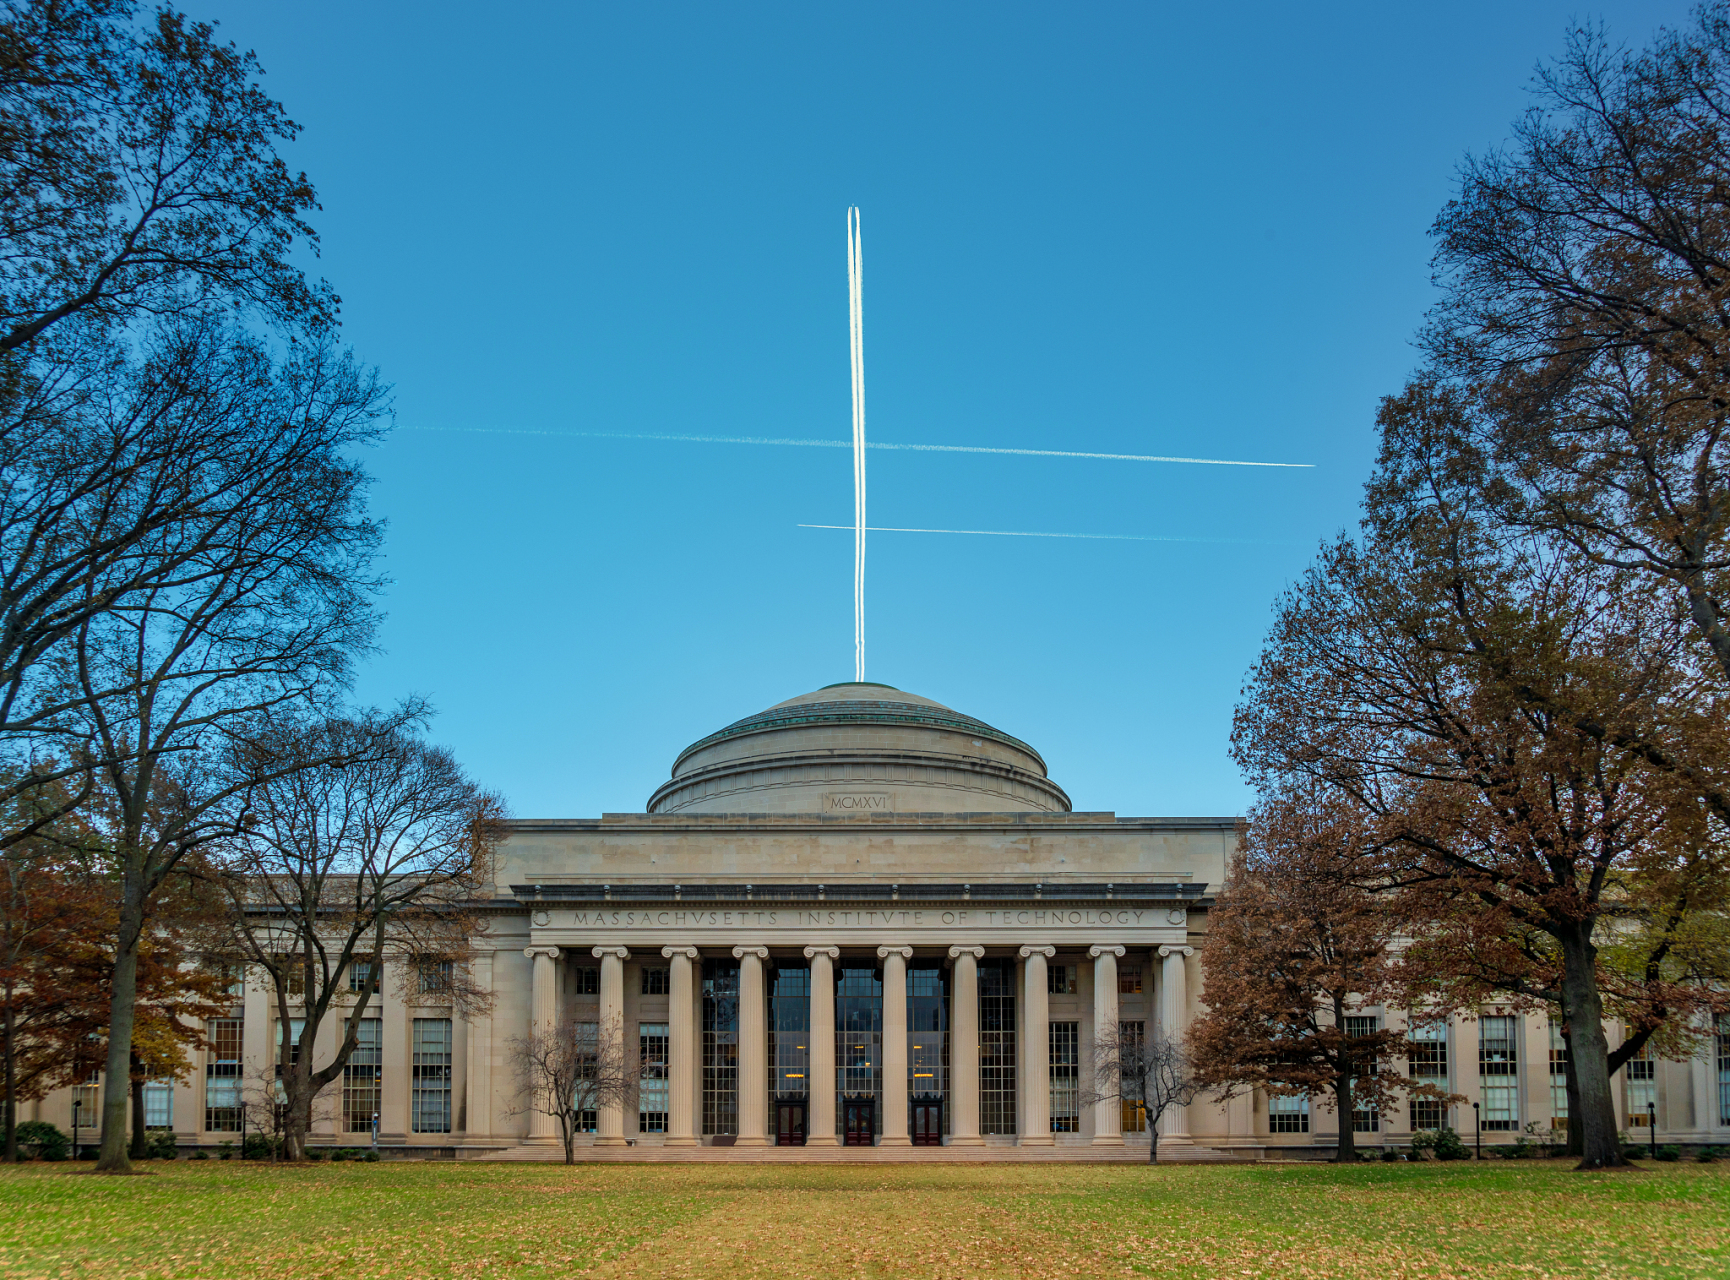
[[859, 1122], [789, 1124], [927, 1124]]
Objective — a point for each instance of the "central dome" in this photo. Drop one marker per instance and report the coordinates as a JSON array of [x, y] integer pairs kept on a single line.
[[859, 748]]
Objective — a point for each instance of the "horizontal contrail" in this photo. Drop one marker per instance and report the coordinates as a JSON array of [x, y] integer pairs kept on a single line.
[[1101, 537], [870, 444]]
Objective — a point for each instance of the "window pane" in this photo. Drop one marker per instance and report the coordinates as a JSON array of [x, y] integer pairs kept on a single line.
[[431, 1100], [1498, 1072], [360, 1078], [1065, 1069], [720, 1046], [652, 1049], [997, 1064], [222, 1076]]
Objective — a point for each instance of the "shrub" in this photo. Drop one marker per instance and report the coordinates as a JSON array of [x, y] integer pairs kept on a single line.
[[1449, 1147], [1669, 1154], [315, 1153], [1390, 1156], [260, 1146], [371, 1157], [339, 1155], [201, 1155], [162, 1145], [42, 1141]]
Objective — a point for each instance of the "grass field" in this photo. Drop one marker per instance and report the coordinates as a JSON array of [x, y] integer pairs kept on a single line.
[[411, 1220]]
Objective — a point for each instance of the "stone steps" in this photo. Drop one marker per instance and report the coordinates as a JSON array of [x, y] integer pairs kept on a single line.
[[870, 1155]]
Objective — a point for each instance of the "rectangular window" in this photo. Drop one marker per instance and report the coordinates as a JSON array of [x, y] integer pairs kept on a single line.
[[363, 974], [233, 979], [655, 981], [87, 1109], [159, 1104], [1724, 1068], [652, 1048], [1065, 1069], [720, 1046], [1288, 1115], [431, 1101], [222, 1076], [1128, 979], [859, 1042], [292, 966], [1364, 1119], [1131, 1037], [295, 1027], [1558, 1076], [1642, 1087], [586, 982], [1060, 979], [928, 1041], [435, 979], [1428, 1064], [1499, 1072], [360, 1078], [997, 1063], [790, 1033], [588, 1040]]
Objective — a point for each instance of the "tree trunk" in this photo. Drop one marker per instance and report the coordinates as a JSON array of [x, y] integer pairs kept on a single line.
[[111, 1157], [1153, 1141], [11, 1084], [1583, 1009], [1348, 1149], [1575, 1147], [140, 1140]]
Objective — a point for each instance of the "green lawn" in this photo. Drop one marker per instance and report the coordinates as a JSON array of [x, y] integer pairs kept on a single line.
[[409, 1220]]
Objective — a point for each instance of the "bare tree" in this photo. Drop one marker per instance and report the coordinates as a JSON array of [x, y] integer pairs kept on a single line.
[[572, 1072], [1152, 1073], [365, 851]]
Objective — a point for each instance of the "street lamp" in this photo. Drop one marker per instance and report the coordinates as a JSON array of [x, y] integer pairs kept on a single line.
[[1652, 1128], [1477, 1131], [76, 1103]]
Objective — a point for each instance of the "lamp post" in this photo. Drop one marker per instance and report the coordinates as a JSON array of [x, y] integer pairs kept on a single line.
[[76, 1103], [1652, 1128], [1477, 1131]]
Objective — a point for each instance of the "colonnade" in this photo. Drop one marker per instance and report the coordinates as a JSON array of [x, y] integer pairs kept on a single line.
[[753, 1099]]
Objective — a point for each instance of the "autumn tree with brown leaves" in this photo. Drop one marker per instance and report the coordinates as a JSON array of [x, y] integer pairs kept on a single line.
[[1295, 946]]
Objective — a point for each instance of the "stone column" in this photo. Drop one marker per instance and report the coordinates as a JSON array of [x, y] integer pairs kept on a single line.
[[895, 1044], [614, 1047], [1107, 1112], [820, 1082], [543, 1021], [964, 1048], [681, 1048], [1173, 1022], [753, 1048], [1036, 1000]]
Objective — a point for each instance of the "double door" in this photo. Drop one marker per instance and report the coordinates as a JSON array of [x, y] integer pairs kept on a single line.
[[927, 1124], [789, 1124], [859, 1123]]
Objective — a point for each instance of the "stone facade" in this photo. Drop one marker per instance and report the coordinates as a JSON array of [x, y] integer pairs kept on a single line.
[[859, 918]]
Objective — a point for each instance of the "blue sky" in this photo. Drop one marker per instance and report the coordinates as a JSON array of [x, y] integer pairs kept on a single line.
[[1166, 229]]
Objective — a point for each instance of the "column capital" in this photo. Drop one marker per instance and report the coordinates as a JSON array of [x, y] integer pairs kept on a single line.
[[1046, 951], [601, 953], [1097, 951], [739, 953], [551, 953], [883, 953], [690, 953], [811, 953], [955, 953], [1176, 951]]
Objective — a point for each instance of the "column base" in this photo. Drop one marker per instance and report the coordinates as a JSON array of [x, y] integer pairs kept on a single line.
[[968, 1140], [822, 1140], [1037, 1140], [899, 1140]]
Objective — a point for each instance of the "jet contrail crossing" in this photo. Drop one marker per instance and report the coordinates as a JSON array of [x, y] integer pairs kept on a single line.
[[856, 346], [1092, 537], [799, 443]]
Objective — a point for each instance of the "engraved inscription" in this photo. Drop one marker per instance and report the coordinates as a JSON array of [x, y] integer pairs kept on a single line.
[[857, 802]]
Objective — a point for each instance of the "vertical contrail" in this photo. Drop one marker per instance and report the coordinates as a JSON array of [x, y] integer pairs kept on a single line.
[[856, 338]]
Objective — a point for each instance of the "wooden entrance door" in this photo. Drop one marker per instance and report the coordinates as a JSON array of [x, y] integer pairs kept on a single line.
[[928, 1124], [859, 1124], [789, 1124]]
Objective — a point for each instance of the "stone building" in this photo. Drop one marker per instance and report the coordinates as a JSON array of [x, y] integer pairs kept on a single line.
[[860, 919]]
